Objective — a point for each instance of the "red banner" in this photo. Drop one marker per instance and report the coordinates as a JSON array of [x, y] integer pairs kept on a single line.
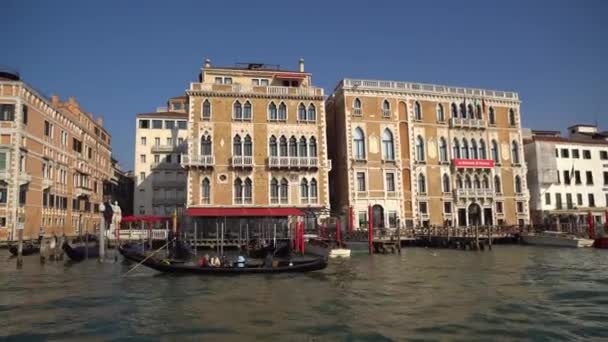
[[478, 163]]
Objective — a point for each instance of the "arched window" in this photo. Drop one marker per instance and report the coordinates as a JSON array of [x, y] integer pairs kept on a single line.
[[248, 189], [357, 107], [473, 149], [511, 117], [274, 151], [485, 183], [274, 191], [470, 112], [302, 112], [463, 111], [293, 147], [205, 191], [206, 147], [247, 111], [420, 149], [440, 113], [248, 146], [284, 193], [515, 152], [282, 112], [482, 149], [386, 108], [443, 150], [283, 146], [454, 110], [467, 182], [417, 111], [495, 152], [387, 145], [359, 140], [303, 147], [478, 112], [459, 182], [492, 116], [312, 146], [272, 112], [421, 184], [476, 183], [456, 149], [238, 190], [312, 113], [497, 187], [206, 110], [304, 189], [446, 183], [313, 190], [237, 146], [517, 184], [465, 149], [237, 111]]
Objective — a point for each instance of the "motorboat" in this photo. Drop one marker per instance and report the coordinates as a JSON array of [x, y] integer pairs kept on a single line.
[[556, 239]]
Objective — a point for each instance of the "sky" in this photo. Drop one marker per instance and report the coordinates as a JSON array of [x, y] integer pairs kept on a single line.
[[120, 58]]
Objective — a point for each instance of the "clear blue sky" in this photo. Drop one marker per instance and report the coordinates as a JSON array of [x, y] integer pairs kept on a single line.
[[119, 58]]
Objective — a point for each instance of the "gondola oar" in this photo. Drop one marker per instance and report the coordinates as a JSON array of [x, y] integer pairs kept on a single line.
[[146, 258]]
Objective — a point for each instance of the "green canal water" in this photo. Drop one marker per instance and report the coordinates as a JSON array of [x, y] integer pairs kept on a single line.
[[511, 293]]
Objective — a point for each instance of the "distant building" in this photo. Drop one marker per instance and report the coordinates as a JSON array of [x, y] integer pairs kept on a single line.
[[120, 188], [426, 154], [161, 138], [567, 176], [54, 158]]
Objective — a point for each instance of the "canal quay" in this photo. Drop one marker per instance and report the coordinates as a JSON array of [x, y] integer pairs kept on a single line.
[[516, 292]]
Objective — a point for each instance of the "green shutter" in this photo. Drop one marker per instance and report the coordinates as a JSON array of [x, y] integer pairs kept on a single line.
[[2, 160]]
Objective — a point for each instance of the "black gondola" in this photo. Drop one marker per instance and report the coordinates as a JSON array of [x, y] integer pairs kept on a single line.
[[282, 266], [29, 248], [79, 253]]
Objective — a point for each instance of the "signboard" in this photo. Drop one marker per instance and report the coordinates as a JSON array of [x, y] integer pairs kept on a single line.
[[474, 163]]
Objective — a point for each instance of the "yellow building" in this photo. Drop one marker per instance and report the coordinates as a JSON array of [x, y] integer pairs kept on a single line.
[[426, 154], [54, 158], [257, 148]]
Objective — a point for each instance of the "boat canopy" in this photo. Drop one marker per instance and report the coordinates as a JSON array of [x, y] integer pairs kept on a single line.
[[145, 218], [244, 212]]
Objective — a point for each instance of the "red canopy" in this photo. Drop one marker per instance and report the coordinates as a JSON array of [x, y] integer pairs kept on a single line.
[[219, 212], [145, 218]]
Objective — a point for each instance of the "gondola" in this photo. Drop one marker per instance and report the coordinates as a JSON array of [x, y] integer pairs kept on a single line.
[[29, 248], [281, 266], [79, 253]]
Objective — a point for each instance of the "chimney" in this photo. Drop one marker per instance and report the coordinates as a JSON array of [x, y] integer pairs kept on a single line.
[[301, 65], [99, 121], [55, 100], [207, 63]]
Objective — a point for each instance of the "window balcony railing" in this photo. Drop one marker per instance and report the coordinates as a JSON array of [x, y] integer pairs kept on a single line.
[[386, 113], [293, 162], [205, 200], [357, 112], [361, 194], [253, 89], [4, 175], [474, 193], [274, 200], [198, 161], [166, 148], [467, 123], [242, 161], [82, 190], [424, 216], [47, 183]]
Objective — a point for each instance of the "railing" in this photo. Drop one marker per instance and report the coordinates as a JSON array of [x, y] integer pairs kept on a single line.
[[200, 160], [47, 182], [293, 162], [426, 88], [357, 111], [4, 175], [166, 148], [386, 113], [242, 161], [474, 192], [140, 234], [83, 191], [467, 123], [24, 178], [250, 89]]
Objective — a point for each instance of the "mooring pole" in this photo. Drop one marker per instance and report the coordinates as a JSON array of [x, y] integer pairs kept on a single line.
[[222, 241], [274, 239], [195, 239], [338, 237], [217, 237], [20, 246], [247, 238], [102, 226], [490, 237], [370, 232]]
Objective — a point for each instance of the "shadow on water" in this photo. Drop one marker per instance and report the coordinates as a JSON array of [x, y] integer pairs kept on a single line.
[[512, 292]]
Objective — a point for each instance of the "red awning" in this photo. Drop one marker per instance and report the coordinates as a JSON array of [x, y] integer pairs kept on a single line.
[[215, 212], [144, 218], [290, 75]]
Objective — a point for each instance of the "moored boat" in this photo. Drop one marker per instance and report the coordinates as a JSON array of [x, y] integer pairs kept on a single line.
[[556, 239], [82, 251], [29, 248], [281, 265]]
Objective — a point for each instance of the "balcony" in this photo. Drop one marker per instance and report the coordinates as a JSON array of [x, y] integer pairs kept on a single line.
[[242, 161], [24, 178], [308, 200], [424, 216], [82, 190], [252, 89], [293, 162], [474, 193], [198, 161], [473, 163], [386, 113], [46, 183], [166, 148], [165, 166], [5, 175], [357, 112], [467, 123]]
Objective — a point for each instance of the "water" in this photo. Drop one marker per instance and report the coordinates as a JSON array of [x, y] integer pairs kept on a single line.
[[511, 293]]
